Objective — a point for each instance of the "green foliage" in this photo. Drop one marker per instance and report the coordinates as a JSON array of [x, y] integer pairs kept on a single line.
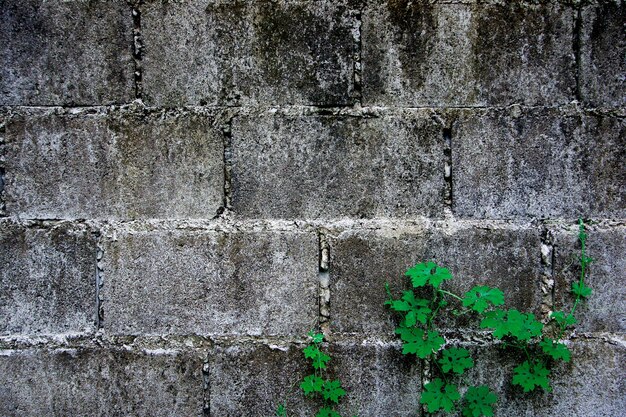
[[416, 309], [479, 298], [531, 375], [312, 384], [479, 402], [318, 357], [439, 396], [540, 344], [512, 323], [420, 342], [428, 273], [281, 411], [456, 360], [327, 412], [332, 391], [580, 289], [562, 319], [555, 349]]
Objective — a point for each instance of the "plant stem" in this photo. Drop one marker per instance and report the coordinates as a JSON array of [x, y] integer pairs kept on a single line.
[[451, 294], [583, 262]]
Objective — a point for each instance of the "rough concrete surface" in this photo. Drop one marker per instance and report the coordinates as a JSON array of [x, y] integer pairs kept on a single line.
[[187, 187], [210, 283], [605, 309], [100, 382], [217, 53], [538, 163], [113, 164], [66, 52], [47, 278], [362, 262], [319, 167], [422, 53], [603, 45]]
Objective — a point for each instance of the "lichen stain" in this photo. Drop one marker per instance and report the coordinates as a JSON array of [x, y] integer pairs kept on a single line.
[[415, 28], [302, 51]]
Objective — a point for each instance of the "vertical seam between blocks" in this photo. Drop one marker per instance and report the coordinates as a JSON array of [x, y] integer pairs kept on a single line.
[[227, 138], [576, 46], [547, 286], [137, 49], [99, 281], [324, 281], [357, 51]]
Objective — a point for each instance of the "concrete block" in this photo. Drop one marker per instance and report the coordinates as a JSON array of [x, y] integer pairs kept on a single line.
[[100, 382], [66, 52], [605, 309], [217, 53], [252, 380], [378, 379], [115, 164], [204, 282], [538, 163], [589, 385], [323, 167], [603, 46], [362, 261], [47, 278], [422, 53]]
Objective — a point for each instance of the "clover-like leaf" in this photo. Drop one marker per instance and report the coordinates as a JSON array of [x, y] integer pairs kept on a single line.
[[327, 412], [555, 349], [439, 396], [332, 391], [319, 358], [428, 273], [479, 402], [316, 337], [562, 319], [456, 360], [512, 323], [311, 384], [530, 376], [479, 298], [416, 309], [580, 289], [419, 342]]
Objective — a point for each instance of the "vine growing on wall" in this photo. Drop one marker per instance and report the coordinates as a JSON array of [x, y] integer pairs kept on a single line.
[[541, 345], [315, 384]]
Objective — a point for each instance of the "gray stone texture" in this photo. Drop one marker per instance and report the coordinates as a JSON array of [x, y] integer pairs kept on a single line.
[[538, 163], [113, 164], [253, 379], [379, 380], [605, 309], [602, 51], [100, 382], [215, 52], [332, 167], [66, 52], [47, 278], [591, 384], [184, 282], [423, 53], [362, 261]]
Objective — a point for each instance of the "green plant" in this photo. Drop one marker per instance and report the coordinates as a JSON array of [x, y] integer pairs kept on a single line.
[[315, 385], [541, 345]]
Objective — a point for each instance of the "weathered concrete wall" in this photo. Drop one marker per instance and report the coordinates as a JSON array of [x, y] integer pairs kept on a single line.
[[188, 186]]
